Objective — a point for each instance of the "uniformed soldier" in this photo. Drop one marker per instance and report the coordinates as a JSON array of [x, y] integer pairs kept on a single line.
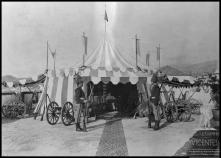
[[154, 99], [82, 102]]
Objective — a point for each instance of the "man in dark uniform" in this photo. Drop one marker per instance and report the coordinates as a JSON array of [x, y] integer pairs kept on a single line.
[[154, 100], [81, 102]]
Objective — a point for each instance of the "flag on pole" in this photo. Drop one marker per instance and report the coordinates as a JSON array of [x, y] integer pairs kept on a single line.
[[105, 16], [53, 54], [158, 53], [85, 44], [147, 59], [137, 47]]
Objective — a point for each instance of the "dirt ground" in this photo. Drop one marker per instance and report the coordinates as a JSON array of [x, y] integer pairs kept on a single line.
[[34, 138], [144, 141], [31, 137]]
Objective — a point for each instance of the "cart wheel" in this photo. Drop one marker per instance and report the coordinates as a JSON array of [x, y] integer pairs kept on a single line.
[[67, 114], [15, 112], [9, 111], [53, 113], [4, 111], [163, 114], [168, 112], [186, 114], [171, 113], [21, 109]]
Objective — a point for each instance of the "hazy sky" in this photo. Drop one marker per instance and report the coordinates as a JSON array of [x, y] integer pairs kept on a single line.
[[188, 32]]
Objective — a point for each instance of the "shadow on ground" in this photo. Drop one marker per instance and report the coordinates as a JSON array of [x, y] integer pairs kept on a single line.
[[8, 120], [108, 121]]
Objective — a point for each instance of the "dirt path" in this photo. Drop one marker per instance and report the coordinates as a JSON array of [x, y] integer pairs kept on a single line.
[[113, 142]]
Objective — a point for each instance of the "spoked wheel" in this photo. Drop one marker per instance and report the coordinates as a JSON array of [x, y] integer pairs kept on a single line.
[[4, 111], [171, 113], [67, 114], [9, 111], [15, 112], [12, 111], [163, 114], [53, 113], [21, 110], [185, 114]]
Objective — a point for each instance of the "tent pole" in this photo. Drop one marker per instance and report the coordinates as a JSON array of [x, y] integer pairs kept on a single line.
[[54, 60], [84, 47], [159, 56], [83, 59], [46, 85]]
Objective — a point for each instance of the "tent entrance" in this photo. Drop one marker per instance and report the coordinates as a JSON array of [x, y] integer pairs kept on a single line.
[[109, 97]]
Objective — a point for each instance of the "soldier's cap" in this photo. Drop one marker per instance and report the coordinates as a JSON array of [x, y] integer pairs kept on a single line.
[[78, 79]]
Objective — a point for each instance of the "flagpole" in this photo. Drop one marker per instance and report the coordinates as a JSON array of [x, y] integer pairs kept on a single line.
[[159, 56], [45, 106], [84, 52], [83, 59], [105, 23], [148, 59], [105, 28], [54, 59]]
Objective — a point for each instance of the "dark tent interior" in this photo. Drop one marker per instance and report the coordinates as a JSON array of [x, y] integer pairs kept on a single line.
[[109, 97]]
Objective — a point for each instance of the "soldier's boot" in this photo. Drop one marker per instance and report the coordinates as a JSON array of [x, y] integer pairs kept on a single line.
[[149, 121], [158, 124], [78, 127], [156, 127], [84, 127], [35, 116]]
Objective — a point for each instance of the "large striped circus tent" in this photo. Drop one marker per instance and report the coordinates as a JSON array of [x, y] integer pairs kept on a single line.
[[104, 65], [107, 65]]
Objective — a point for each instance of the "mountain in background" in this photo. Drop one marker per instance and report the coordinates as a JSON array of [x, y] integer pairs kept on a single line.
[[199, 68], [169, 70], [10, 78], [173, 70]]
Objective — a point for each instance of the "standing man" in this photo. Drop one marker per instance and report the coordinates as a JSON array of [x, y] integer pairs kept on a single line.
[[82, 104], [154, 99]]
